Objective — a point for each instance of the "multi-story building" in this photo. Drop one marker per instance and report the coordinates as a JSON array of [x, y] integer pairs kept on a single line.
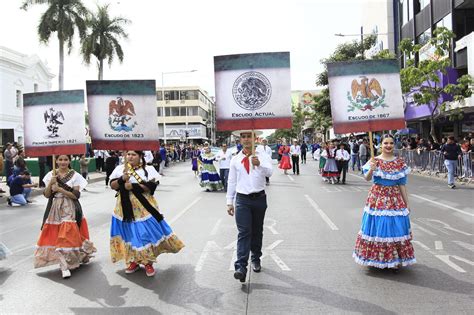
[[190, 115], [416, 20], [304, 100], [19, 74], [378, 18]]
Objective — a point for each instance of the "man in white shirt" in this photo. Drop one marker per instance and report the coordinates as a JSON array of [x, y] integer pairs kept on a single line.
[[295, 151], [264, 148], [246, 188], [342, 160], [148, 156], [224, 156]]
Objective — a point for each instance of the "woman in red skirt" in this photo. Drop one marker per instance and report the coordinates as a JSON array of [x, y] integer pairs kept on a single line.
[[64, 237], [285, 163]]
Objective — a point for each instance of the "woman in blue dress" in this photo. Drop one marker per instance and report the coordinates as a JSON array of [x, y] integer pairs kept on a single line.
[[209, 177], [384, 240], [195, 154]]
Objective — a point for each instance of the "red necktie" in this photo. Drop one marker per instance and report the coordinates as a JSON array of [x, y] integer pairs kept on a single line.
[[246, 161]]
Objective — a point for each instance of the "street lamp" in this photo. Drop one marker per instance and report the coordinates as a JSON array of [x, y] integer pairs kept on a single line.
[[361, 37], [163, 98]]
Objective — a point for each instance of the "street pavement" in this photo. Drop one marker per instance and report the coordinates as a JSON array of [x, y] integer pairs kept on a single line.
[[307, 268]]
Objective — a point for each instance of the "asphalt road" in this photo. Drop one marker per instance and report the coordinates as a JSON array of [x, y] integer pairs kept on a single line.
[[307, 267]]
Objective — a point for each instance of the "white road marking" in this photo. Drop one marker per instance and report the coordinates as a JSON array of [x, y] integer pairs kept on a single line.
[[465, 245], [448, 227], [447, 261], [210, 246], [416, 226], [443, 205], [291, 178], [438, 245], [359, 176], [184, 210], [321, 213], [269, 251], [19, 262], [271, 226], [421, 245], [216, 227]]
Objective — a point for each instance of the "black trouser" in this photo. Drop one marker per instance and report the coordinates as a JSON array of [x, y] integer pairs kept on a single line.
[[42, 172], [99, 164], [295, 159], [249, 216], [303, 157], [267, 179], [107, 176], [342, 168]]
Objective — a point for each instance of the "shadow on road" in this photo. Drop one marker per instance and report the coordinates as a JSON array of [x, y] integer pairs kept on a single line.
[[423, 276], [300, 289], [4, 275], [177, 286], [91, 283]]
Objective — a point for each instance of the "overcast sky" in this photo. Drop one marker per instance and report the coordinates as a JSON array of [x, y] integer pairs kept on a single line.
[[179, 35]]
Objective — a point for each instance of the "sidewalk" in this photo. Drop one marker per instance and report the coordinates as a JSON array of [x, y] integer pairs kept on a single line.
[[93, 178]]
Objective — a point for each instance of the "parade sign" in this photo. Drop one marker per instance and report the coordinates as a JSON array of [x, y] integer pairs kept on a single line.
[[253, 91], [366, 96], [122, 114], [54, 123]]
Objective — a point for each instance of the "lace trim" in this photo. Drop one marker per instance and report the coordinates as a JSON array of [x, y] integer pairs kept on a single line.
[[385, 239], [392, 176], [379, 264], [136, 220], [161, 240], [388, 213]]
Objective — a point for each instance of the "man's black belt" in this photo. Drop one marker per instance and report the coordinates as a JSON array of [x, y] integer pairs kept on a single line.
[[252, 195]]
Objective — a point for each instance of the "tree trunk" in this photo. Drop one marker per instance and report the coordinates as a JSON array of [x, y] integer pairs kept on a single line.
[[101, 69], [61, 64], [432, 122]]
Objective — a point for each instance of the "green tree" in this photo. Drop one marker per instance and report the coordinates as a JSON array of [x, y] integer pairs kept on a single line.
[[62, 17], [298, 121], [102, 38], [422, 79]]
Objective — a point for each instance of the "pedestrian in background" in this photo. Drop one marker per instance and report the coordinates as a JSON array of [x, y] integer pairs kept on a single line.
[[246, 199], [452, 152], [295, 152], [20, 189], [42, 169], [110, 164], [330, 172], [264, 148], [384, 239], [210, 179], [8, 161], [195, 154], [84, 166], [354, 145], [163, 157], [363, 152], [285, 163], [223, 157], [304, 149], [342, 160], [19, 165]]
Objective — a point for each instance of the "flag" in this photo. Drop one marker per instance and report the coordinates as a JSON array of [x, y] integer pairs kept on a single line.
[[54, 123], [123, 114], [366, 96], [253, 91]]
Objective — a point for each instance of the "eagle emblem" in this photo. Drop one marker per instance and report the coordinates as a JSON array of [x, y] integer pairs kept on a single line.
[[53, 119], [366, 95], [121, 113]]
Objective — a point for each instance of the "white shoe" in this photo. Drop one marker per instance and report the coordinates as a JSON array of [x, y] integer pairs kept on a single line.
[[66, 274]]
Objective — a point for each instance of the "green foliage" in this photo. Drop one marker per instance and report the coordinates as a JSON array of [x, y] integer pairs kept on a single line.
[[298, 121], [423, 78], [102, 39]]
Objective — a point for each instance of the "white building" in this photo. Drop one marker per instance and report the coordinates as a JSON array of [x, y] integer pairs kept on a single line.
[[378, 18], [19, 74]]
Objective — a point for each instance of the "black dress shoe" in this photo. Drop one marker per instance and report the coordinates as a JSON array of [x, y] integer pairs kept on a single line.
[[256, 266], [239, 275]]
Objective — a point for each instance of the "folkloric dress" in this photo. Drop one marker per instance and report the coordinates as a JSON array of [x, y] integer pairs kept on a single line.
[[330, 167], [64, 237], [138, 232], [384, 240], [210, 179], [195, 154], [285, 163]]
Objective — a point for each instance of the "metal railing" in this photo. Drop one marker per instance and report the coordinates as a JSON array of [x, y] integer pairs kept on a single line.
[[432, 163]]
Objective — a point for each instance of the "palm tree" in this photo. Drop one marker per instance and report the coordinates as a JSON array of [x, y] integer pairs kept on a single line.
[[63, 17], [103, 39]]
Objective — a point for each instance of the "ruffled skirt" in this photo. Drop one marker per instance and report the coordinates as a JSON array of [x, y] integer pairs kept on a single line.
[[384, 240], [142, 240], [61, 240], [210, 179], [330, 169], [285, 163]]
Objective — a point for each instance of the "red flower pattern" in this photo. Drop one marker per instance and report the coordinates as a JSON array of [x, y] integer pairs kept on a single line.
[[384, 252]]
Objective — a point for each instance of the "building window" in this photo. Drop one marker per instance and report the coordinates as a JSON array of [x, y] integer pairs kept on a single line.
[[192, 95], [411, 8], [424, 38], [159, 96], [160, 111], [174, 95], [203, 113], [193, 111], [447, 22], [423, 3], [167, 95], [35, 87], [182, 95], [18, 98], [174, 111], [182, 111], [167, 110]]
